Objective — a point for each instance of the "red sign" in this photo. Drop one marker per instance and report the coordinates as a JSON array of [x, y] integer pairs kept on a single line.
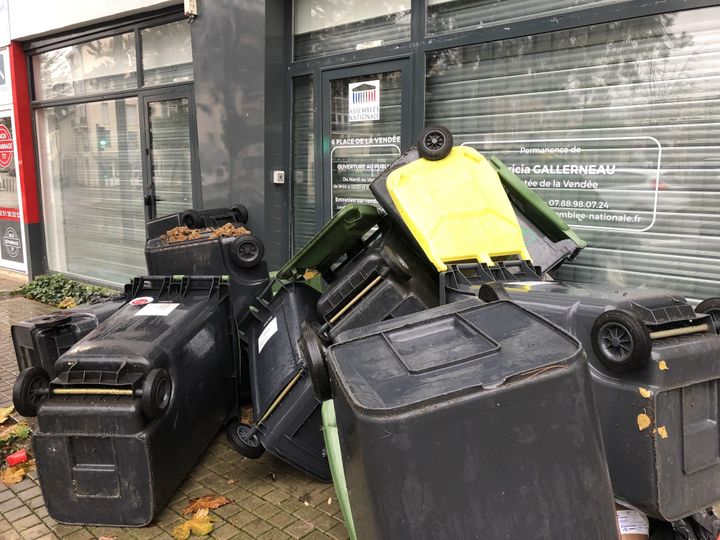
[[6, 146], [10, 213]]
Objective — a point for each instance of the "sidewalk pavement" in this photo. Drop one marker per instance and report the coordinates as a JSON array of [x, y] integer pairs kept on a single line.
[[270, 500]]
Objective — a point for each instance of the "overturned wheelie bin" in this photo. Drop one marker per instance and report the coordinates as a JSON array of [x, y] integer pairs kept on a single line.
[[135, 403], [454, 420]]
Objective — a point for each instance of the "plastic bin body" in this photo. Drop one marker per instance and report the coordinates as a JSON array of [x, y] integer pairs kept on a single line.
[[339, 238], [373, 287], [457, 209], [208, 258], [41, 347], [548, 239], [100, 460], [469, 420], [293, 432], [667, 473]]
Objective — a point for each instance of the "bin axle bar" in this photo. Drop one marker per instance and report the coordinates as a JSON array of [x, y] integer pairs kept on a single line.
[[356, 299], [679, 331], [92, 391]]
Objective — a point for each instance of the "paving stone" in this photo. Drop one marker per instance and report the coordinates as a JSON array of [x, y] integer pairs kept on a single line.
[[299, 529], [266, 510], [18, 513], [225, 531], [28, 494], [35, 532], [339, 532], [316, 535], [27, 522], [274, 534], [282, 519], [242, 518], [257, 527]]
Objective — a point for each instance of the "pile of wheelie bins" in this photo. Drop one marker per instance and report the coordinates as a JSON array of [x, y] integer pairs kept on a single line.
[[129, 393], [419, 354]]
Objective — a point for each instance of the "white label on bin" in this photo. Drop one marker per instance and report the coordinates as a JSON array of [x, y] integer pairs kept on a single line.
[[632, 522], [269, 331], [158, 310]]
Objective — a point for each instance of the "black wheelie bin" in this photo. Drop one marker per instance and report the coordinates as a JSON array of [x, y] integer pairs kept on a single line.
[[469, 420], [40, 341], [387, 279], [653, 361], [197, 219], [287, 415], [135, 403]]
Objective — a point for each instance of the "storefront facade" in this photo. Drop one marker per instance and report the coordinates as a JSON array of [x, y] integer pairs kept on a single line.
[[606, 107]]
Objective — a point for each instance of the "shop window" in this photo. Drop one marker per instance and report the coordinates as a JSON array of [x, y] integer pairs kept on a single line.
[[92, 189], [167, 54], [616, 126], [332, 26], [303, 171], [453, 15], [102, 65]]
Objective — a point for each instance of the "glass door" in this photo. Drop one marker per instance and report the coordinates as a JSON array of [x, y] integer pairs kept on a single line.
[[366, 126], [170, 147]]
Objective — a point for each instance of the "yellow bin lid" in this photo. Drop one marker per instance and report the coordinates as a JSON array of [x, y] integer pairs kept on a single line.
[[457, 209]]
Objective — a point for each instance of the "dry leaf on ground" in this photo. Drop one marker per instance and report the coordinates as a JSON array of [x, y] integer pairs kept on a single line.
[[210, 502], [199, 525], [5, 413], [18, 431], [69, 302], [13, 475]]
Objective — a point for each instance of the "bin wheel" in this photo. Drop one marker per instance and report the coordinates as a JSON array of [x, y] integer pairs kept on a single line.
[[52, 320], [240, 213], [156, 393], [492, 292], [315, 363], [247, 251], [191, 219], [246, 444], [710, 306], [396, 263], [434, 142], [620, 341], [30, 390]]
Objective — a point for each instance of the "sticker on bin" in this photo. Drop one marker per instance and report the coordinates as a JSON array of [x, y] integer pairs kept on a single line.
[[141, 300], [269, 331], [157, 310], [632, 522]]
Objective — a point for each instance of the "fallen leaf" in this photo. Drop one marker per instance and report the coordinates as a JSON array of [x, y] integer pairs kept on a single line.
[[108, 538], [69, 302], [329, 500], [643, 421], [199, 525], [5, 413], [13, 475], [18, 431], [662, 366], [206, 502], [310, 273], [644, 392], [662, 431], [307, 503], [231, 481]]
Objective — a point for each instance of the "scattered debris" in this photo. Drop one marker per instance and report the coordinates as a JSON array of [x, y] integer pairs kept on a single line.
[[643, 421], [68, 302], [5, 413], [209, 502], [13, 475], [199, 525], [185, 234], [17, 457], [329, 500]]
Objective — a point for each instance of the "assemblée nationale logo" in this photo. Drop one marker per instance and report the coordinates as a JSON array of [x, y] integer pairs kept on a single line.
[[364, 101]]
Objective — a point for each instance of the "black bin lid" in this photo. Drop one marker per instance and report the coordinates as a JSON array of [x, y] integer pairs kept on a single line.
[[444, 351]]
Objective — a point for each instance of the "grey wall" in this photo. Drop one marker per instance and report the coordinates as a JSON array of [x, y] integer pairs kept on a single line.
[[228, 41]]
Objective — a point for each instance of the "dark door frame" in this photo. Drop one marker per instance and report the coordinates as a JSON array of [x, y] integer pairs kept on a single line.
[[148, 96], [323, 175]]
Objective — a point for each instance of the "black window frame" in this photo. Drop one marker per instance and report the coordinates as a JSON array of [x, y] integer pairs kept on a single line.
[[421, 43], [123, 26]]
